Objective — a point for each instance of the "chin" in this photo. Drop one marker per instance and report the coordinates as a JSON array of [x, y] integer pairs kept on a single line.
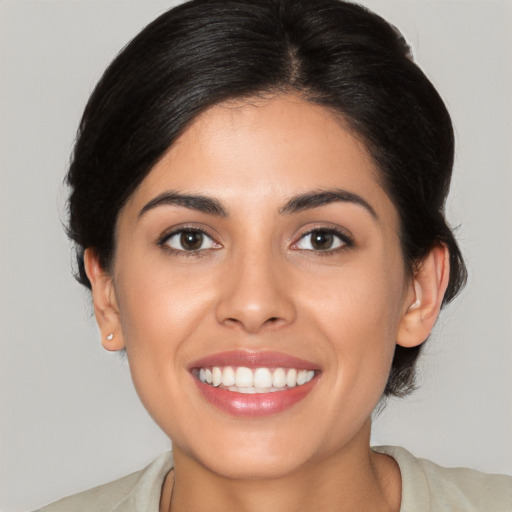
[[250, 455], [255, 466]]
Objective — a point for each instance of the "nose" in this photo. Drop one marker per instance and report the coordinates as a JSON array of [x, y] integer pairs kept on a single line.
[[256, 294]]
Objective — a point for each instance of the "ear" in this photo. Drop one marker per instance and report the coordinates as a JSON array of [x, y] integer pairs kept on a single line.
[[105, 302], [425, 297]]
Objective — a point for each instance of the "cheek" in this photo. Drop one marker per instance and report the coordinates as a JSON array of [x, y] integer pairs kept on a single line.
[[158, 315], [159, 309], [358, 312], [158, 312]]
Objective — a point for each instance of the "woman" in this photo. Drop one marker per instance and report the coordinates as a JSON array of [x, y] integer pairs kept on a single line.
[[257, 202]]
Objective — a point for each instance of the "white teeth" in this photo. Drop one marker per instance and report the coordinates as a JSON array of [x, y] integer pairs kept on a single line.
[[228, 376], [301, 377], [259, 380], [262, 378], [253, 390], [244, 377], [291, 378], [279, 378], [216, 376], [246, 391]]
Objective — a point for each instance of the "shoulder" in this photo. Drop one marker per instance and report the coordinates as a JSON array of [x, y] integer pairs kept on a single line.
[[137, 491], [427, 486]]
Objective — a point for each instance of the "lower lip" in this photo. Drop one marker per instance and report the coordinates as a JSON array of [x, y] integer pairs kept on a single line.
[[257, 404]]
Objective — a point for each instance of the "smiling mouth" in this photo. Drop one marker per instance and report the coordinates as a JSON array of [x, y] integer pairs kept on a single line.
[[252, 384], [246, 380]]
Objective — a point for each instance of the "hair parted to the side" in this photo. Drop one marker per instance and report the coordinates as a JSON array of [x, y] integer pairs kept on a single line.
[[333, 53]]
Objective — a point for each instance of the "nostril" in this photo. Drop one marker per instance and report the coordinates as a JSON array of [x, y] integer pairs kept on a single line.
[[268, 322], [272, 321]]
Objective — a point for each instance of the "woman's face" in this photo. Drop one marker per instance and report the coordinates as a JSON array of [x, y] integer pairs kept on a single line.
[[261, 240]]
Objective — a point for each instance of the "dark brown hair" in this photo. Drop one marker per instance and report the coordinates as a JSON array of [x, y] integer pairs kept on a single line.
[[333, 53]]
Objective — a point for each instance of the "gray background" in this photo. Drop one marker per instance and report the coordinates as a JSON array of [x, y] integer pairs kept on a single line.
[[69, 416]]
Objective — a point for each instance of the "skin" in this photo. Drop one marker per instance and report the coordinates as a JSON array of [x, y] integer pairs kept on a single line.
[[257, 283]]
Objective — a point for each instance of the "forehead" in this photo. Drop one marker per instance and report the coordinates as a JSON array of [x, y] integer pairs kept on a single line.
[[264, 151]]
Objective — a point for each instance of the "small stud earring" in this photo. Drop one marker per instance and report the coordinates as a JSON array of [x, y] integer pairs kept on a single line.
[[110, 337]]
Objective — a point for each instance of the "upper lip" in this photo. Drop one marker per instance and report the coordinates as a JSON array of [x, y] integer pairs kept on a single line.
[[254, 359]]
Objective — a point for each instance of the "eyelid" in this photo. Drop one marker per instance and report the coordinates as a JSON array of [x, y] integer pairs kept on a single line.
[[344, 235], [176, 230]]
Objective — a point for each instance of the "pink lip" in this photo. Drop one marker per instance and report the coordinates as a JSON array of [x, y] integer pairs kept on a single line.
[[258, 404], [267, 359]]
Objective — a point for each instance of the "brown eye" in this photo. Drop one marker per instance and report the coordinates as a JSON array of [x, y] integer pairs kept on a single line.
[[321, 240], [189, 240]]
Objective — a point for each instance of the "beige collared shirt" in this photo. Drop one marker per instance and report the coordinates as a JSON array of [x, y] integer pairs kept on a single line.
[[426, 487]]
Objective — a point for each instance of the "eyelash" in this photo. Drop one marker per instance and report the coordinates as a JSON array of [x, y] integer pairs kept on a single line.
[[164, 239], [346, 240]]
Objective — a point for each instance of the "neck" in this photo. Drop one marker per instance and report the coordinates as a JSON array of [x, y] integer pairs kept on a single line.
[[353, 479]]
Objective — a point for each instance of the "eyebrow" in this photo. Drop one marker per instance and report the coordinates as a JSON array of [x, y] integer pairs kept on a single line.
[[211, 206], [193, 202], [318, 198]]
